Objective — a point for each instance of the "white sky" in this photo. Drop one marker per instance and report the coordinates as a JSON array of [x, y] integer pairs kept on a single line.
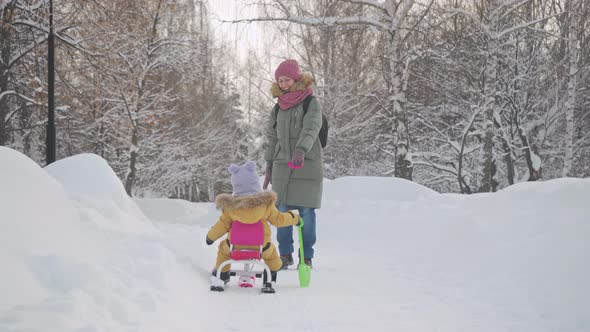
[[244, 36], [79, 255]]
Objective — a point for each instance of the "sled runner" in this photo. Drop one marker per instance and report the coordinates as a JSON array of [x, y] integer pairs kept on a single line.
[[253, 267]]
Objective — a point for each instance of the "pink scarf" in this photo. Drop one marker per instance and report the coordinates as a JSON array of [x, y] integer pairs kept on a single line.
[[290, 99]]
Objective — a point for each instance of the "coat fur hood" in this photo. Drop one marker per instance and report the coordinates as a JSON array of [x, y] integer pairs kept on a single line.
[[230, 202], [304, 82]]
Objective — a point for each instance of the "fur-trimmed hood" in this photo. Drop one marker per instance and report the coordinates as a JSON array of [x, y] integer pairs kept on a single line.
[[230, 202], [304, 82]]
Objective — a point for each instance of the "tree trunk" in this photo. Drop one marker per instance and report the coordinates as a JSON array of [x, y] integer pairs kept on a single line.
[[5, 28], [571, 88], [488, 182], [462, 184], [529, 154], [211, 190], [397, 101], [3, 106], [197, 194], [131, 171], [509, 162]]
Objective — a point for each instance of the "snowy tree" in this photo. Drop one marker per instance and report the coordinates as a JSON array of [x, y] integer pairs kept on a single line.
[[23, 69], [394, 19], [503, 67], [461, 96], [148, 98], [572, 82], [349, 84]]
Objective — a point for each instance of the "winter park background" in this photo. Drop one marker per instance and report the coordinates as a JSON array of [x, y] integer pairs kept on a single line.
[[457, 166]]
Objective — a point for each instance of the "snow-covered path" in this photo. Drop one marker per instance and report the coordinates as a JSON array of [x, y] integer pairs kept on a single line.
[[421, 262]]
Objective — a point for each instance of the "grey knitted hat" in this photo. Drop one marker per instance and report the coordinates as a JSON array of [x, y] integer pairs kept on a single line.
[[244, 179]]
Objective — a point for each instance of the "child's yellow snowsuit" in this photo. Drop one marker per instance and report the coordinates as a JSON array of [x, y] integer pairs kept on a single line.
[[249, 210]]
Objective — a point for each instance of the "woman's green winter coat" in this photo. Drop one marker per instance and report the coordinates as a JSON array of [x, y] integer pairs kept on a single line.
[[288, 131]]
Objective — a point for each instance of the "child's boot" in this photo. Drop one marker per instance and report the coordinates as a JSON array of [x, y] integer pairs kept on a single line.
[[273, 276], [224, 276], [217, 285], [267, 286]]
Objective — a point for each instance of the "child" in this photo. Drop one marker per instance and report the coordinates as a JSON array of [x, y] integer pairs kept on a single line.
[[248, 204]]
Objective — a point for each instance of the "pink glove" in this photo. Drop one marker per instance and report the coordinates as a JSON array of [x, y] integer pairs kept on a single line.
[[297, 159]]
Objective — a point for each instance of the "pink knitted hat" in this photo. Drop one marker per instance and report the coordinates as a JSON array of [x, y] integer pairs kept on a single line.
[[288, 68]]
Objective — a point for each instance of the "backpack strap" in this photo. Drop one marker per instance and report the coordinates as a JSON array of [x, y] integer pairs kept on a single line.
[[306, 103], [276, 112]]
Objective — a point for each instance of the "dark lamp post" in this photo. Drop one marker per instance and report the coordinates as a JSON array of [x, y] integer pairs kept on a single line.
[[51, 141]]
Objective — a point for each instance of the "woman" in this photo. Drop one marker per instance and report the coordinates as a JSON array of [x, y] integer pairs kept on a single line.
[[294, 156]]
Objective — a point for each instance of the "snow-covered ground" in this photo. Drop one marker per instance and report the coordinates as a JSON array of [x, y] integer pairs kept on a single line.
[[79, 255]]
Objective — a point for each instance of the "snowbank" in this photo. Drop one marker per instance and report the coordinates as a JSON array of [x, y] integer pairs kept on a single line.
[[375, 188], [39, 223], [89, 181]]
